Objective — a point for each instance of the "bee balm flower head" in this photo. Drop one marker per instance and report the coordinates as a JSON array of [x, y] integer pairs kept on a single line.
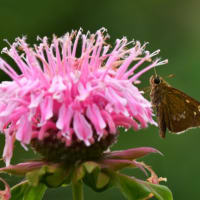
[[72, 94]]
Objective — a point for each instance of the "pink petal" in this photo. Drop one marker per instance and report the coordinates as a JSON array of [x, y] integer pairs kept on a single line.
[[82, 128], [46, 109], [107, 117], [8, 148], [24, 131], [5, 194], [133, 153], [64, 118], [93, 113], [126, 122]]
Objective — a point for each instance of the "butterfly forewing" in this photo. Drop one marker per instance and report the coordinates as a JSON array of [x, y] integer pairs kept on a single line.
[[175, 110]]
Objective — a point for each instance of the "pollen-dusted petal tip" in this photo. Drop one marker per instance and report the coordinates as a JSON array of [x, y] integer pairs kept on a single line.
[[75, 89]]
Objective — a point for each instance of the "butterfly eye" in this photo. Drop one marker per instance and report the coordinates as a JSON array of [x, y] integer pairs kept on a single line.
[[156, 80]]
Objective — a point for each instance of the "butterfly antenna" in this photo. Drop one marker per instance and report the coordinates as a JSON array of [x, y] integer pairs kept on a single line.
[[171, 76], [155, 72]]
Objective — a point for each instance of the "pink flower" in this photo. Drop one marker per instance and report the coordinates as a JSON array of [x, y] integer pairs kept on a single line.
[[71, 96]]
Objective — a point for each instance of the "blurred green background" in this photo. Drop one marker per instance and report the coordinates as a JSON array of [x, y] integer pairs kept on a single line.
[[172, 26]]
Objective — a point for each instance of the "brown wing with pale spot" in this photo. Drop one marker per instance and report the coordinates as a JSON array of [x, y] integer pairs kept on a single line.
[[180, 111]]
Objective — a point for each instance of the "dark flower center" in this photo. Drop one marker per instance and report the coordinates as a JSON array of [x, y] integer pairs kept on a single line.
[[54, 150]]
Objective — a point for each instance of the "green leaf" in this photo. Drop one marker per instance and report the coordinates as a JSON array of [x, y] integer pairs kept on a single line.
[[35, 176], [134, 189], [161, 192], [52, 176], [27, 192], [98, 180], [91, 166], [79, 173], [57, 178], [130, 188], [102, 180]]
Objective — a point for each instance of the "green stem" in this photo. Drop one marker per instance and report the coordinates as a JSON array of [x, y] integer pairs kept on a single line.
[[77, 190]]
